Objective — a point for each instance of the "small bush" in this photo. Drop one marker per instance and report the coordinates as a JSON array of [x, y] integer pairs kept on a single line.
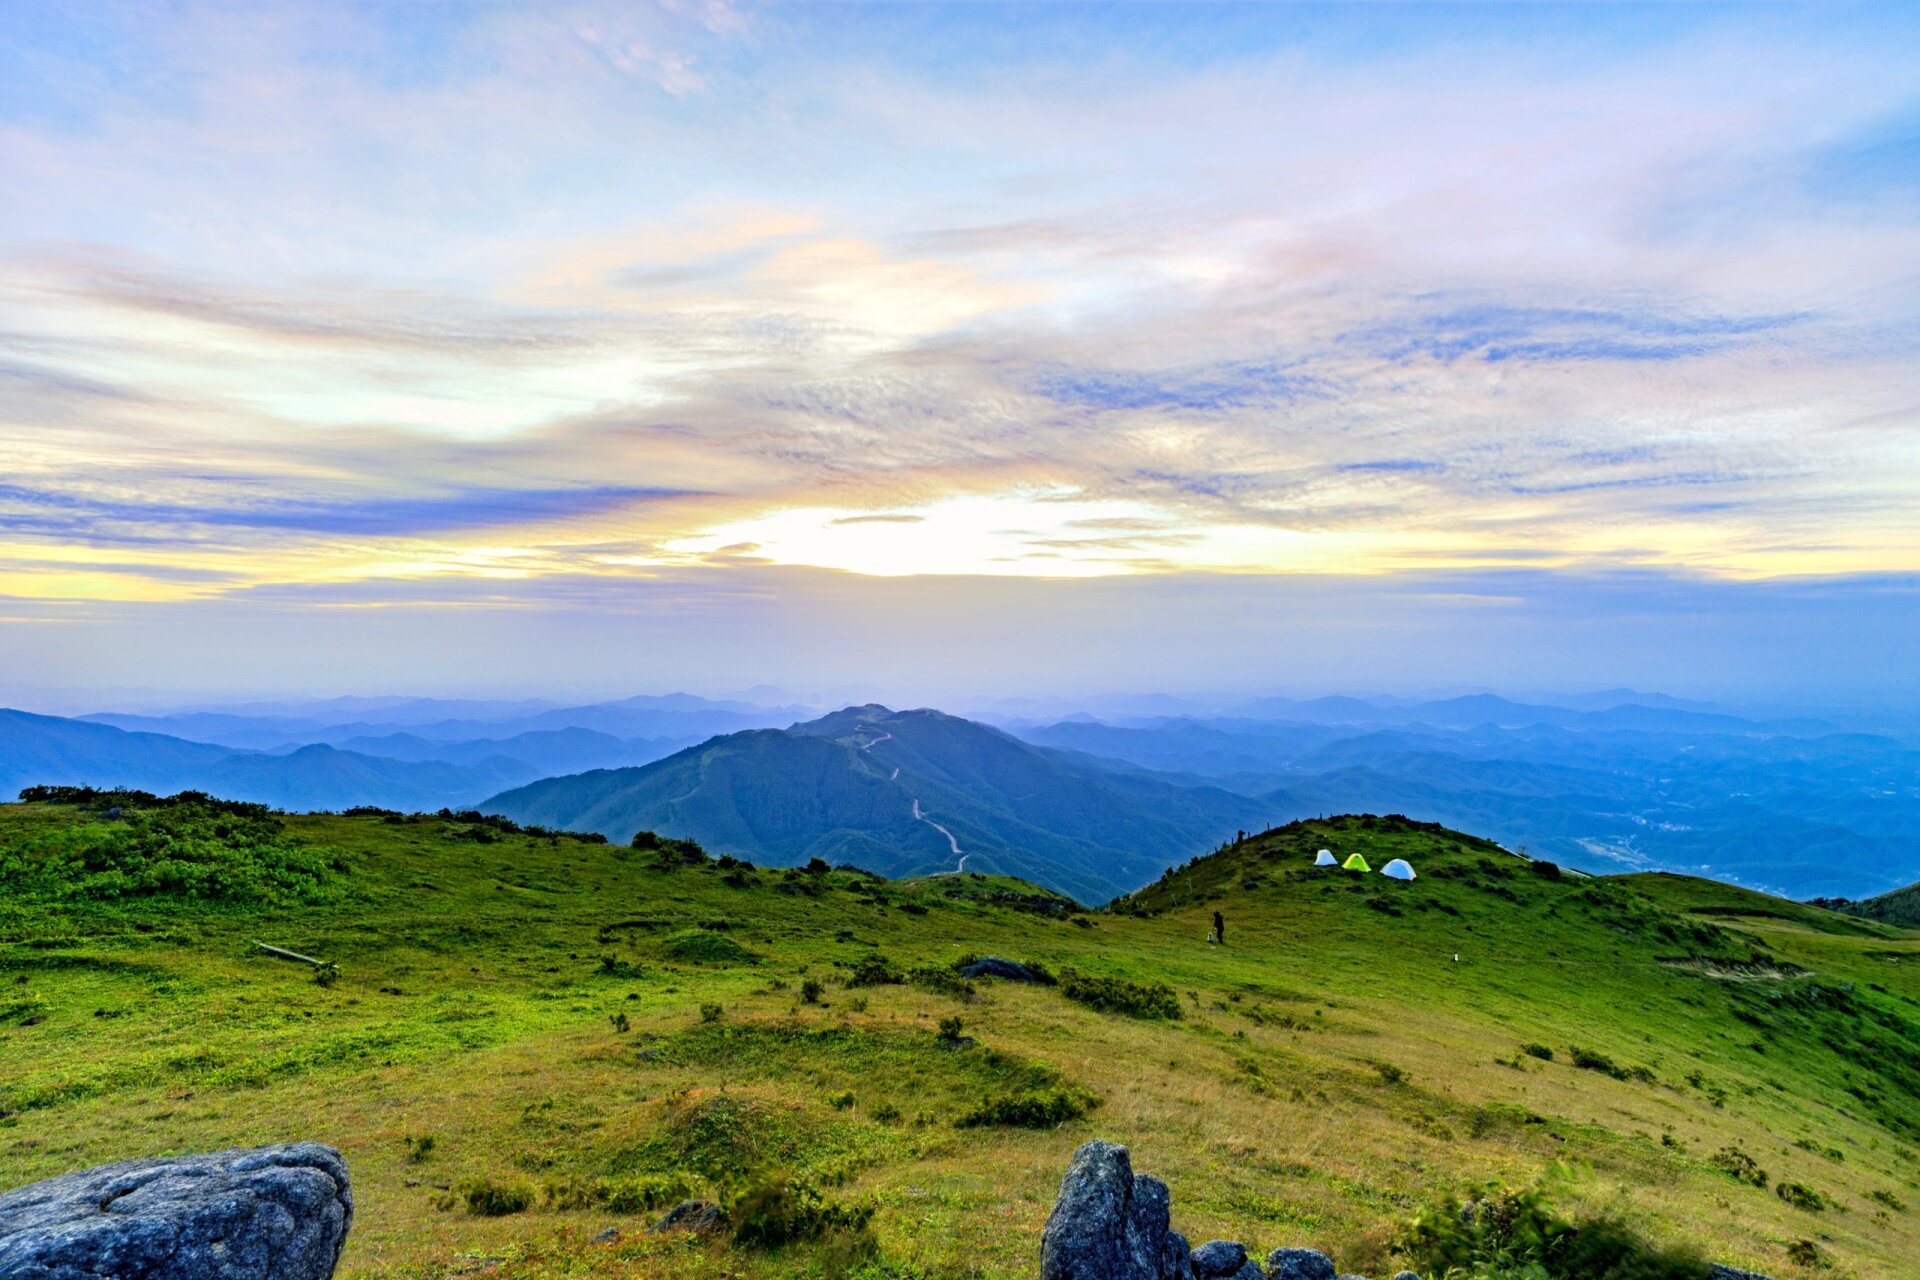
[[1116, 995], [645, 1192], [1801, 1196], [418, 1149], [621, 1023], [1805, 1253], [614, 967], [810, 991], [874, 971], [489, 1199], [1888, 1199], [1593, 1060], [950, 1029], [711, 1013], [1539, 1051], [1515, 1233], [778, 1213], [1027, 1111], [671, 852], [841, 1101], [1389, 1073], [1739, 1166]]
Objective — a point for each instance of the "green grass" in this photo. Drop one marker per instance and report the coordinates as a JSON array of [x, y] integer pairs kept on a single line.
[[522, 1017]]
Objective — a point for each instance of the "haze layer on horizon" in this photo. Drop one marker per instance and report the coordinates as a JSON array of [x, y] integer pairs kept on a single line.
[[968, 349]]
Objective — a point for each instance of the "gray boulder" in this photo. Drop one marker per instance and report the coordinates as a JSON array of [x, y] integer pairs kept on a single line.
[[1176, 1258], [1218, 1259], [1721, 1271], [262, 1213], [691, 1215], [1406, 1275], [1299, 1264], [998, 967], [1108, 1224]]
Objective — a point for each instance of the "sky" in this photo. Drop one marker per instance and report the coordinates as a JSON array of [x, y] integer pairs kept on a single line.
[[959, 350]]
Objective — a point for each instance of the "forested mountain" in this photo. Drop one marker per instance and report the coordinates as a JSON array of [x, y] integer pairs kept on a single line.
[[901, 793]]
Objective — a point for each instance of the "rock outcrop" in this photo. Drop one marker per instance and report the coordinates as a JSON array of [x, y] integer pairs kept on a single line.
[[262, 1213], [1110, 1224], [998, 967], [1299, 1264], [691, 1215]]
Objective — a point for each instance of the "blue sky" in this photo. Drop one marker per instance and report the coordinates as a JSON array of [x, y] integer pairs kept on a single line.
[[586, 321]]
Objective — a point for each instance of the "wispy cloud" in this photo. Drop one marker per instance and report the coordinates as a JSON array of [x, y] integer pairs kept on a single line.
[[310, 292]]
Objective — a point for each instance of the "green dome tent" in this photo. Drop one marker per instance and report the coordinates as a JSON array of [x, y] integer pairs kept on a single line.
[[1355, 862]]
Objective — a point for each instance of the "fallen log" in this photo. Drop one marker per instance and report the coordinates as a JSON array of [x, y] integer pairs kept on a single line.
[[285, 954]]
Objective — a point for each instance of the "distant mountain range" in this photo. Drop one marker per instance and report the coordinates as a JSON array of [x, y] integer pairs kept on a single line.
[[47, 749], [1609, 781], [1797, 807], [902, 793]]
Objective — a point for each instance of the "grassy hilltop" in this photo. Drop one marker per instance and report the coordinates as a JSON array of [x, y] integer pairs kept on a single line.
[[532, 1037]]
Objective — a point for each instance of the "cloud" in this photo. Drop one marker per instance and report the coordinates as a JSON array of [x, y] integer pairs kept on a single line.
[[25, 510], [555, 290]]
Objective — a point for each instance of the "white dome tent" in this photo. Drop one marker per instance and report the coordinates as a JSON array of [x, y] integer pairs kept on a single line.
[[1398, 869], [1325, 858]]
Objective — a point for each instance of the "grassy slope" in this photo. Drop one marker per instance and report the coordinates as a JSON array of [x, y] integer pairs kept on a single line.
[[471, 1008]]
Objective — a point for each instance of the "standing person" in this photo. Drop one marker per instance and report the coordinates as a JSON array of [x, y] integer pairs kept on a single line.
[[1219, 928]]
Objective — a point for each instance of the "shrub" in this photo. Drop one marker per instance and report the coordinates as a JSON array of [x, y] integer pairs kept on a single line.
[[810, 991], [1739, 1166], [944, 981], [1515, 1233], [489, 1199], [950, 1029], [1593, 1060], [703, 946], [1805, 1253], [841, 1101], [419, 1148], [1116, 995], [189, 846], [1539, 1051], [1801, 1196], [711, 1013], [773, 1214], [614, 967], [648, 1191], [1389, 1073], [672, 853], [874, 971], [1888, 1199], [1028, 1111]]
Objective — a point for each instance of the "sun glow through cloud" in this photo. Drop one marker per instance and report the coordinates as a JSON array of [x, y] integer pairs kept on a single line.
[[299, 296]]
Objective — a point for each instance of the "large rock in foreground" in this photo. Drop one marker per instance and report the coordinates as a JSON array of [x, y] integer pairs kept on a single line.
[[264, 1213], [1109, 1225]]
